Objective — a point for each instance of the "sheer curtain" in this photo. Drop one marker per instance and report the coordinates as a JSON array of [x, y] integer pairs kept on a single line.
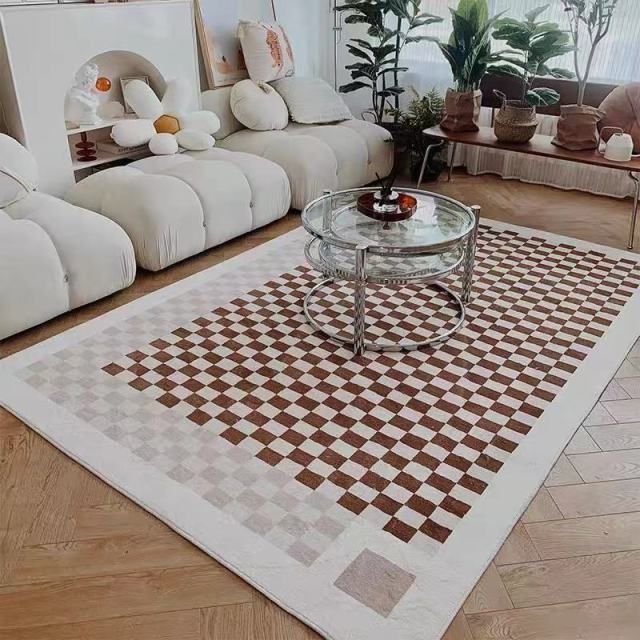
[[617, 61]]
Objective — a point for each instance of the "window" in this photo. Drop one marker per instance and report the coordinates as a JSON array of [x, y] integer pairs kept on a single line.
[[617, 58]]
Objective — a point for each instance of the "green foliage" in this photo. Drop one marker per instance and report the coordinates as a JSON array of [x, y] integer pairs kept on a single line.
[[593, 17], [532, 44], [422, 113], [377, 66], [468, 50]]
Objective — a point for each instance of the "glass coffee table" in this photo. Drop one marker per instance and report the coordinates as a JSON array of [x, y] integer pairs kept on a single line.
[[345, 245]]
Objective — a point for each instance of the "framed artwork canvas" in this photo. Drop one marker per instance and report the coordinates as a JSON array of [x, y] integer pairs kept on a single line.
[[217, 26]]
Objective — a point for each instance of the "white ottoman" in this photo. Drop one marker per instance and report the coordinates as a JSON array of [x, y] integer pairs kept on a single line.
[[173, 207]]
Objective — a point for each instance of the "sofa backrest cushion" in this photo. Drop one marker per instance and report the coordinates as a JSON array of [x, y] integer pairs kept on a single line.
[[312, 101], [259, 106], [18, 171], [219, 101], [622, 109], [267, 51]]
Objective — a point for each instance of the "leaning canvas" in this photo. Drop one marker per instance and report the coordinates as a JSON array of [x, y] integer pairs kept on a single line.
[[217, 24]]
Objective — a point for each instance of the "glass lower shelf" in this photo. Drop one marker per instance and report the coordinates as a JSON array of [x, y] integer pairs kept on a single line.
[[340, 262]]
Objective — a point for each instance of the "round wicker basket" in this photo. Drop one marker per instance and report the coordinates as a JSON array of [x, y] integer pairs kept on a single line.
[[516, 122]]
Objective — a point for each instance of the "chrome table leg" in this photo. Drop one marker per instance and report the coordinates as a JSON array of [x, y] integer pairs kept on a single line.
[[359, 301], [453, 160], [470, 258], [425, 160], [634, 214]]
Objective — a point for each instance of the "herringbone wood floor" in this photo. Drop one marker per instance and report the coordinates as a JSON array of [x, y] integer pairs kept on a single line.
[[78, 561]]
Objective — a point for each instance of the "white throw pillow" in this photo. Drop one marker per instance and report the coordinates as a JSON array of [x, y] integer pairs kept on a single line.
[[312, 101], [267, 51], [18, 171], [258, 106]]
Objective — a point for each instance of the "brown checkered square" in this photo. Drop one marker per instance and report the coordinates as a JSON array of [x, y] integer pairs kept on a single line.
[[408, 440]]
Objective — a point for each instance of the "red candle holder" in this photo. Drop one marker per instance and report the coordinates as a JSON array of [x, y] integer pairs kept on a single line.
[[85, 149]]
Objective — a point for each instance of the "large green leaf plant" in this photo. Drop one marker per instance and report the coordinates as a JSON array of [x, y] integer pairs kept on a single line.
[[533, 43], [468, 50], [390, 26]]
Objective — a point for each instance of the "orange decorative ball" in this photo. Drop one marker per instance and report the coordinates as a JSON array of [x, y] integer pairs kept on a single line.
[[103, 84]]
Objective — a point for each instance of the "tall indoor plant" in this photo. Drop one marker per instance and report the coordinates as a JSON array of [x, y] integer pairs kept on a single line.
[[391, 25], [468, 52], [589, 23], [532, 43]]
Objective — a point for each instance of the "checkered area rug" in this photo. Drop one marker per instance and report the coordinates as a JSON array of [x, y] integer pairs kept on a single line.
[[364, 494], [411, 438]]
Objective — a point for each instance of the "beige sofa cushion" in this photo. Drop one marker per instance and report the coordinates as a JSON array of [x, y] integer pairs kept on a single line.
[[319, 157], [18, 171], [258, 106], [173, 207], [312, 101], [219, 101], [267, 51]]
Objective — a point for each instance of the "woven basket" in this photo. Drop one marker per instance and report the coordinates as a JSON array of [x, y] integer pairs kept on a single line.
[[516, 122]]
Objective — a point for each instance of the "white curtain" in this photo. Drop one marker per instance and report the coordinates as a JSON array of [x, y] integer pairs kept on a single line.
[[617, 61]]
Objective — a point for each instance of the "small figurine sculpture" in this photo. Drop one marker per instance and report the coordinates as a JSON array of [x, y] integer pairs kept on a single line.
[[82, 102]]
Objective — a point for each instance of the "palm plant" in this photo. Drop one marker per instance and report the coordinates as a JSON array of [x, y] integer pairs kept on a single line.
[[377, 67], [532, 44], [468, 50], [595, 17]]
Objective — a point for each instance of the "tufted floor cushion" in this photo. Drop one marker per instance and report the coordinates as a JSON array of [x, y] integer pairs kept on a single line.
[[55, 257], [173, 207], [345, 155]]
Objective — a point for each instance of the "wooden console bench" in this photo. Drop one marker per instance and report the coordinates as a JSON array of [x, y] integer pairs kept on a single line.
[[538, 146]]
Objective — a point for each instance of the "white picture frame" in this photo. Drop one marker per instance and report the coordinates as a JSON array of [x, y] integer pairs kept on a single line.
[[217, 26]]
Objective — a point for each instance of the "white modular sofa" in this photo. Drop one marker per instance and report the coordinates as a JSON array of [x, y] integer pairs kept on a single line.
[[53, 256], [345, 155], [173, 207]]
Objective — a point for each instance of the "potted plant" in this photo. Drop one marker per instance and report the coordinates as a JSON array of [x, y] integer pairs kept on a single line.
[[468, 52], [578, 124], [422, 113], [532, 44], [377, 67]]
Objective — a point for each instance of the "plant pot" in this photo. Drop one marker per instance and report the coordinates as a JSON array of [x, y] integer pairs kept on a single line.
[[516, 122], [462, 110], [401, 135], [578, 127]]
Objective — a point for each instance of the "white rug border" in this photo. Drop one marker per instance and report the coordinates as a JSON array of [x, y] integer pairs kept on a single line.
[[489, 522]]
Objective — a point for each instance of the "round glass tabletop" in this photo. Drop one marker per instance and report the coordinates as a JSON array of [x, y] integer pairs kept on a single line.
[[438, 223]]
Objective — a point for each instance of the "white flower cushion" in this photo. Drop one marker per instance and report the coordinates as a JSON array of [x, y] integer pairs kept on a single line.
[[312, 101], [163, 144], [319, 157], [267, 51], [258, 106], [173, 207]]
